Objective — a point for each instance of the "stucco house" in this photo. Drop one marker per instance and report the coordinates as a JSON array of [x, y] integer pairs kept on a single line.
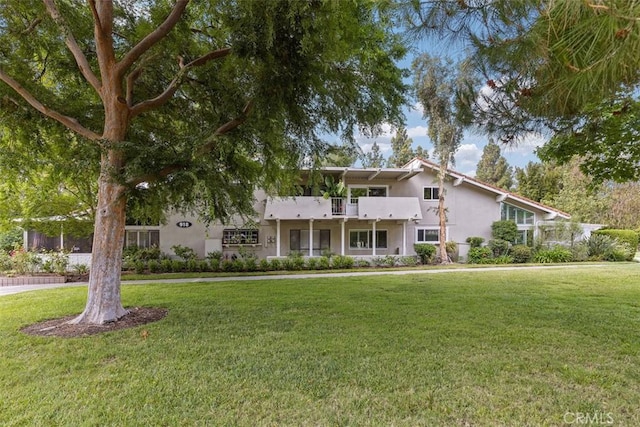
[[384, 212]]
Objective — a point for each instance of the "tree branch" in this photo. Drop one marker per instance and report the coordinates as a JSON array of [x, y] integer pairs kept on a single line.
[[206, 148], [73, 46], [152, 38], [165, 96], [69, 122]]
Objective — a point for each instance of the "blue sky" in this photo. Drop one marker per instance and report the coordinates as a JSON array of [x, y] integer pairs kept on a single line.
[[468, 155]]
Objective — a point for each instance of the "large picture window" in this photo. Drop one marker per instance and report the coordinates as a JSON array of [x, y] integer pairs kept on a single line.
[[518, 215], [363, 239]]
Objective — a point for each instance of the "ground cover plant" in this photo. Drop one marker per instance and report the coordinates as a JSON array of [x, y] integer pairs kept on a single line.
[[524, 347]]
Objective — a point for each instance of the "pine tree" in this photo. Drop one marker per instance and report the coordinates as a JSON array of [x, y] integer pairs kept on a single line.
[[374, 158], [493, 168]]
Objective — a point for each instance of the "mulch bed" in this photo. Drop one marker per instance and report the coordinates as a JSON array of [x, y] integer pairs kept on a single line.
[[60, 328]]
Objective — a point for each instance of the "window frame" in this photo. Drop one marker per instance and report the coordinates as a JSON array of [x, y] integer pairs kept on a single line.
[[149, 242], [511, 212], [433, 228], [432, 190], [234, 236], [369, 234]]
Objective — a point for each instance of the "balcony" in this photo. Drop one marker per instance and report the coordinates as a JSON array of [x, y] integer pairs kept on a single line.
[[364, 208]]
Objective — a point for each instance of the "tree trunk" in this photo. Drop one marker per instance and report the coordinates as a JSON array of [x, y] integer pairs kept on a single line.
[[442, 214], [104, 301]]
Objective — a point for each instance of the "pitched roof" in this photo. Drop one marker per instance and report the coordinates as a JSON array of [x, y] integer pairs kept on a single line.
[[500, 192]]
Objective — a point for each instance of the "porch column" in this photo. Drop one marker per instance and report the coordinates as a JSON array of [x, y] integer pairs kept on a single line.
[[278, 237], [311, 237], [373, 238], [404, 238], [342, 236]]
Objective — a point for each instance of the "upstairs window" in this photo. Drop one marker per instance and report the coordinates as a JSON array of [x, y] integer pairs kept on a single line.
[[431, 193]]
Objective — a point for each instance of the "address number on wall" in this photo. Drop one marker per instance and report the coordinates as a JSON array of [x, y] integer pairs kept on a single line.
[[184, 224]]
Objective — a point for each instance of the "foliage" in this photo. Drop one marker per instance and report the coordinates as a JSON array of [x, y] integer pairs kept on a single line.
[[324, 263], [599, 245], [334, 189], [24, 262], [498, 247], [502, 259], [493, 168], [55, 262], [402, 151], [10, 239], [425, 251], [475, 242], [568, 66], [537, 181], [342, 262], [214, 258], [442, 89], [521, 254], [630, 237], [373, 158], [409, 261], [557, 254], [479, 255], [183, 104], [184, 252], [505, 230]]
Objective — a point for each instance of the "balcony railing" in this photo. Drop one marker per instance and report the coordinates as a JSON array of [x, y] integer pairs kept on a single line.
[[338, 206]]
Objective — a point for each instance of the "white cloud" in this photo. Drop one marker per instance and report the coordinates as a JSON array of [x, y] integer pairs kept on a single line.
[[384, 147], [417, 131], [467, 158]]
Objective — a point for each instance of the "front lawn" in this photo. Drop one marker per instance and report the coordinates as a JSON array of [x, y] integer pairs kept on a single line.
[[540, 347]]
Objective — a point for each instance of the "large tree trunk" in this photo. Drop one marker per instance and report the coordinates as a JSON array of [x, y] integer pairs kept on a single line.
[[104, 301], [442, 215]]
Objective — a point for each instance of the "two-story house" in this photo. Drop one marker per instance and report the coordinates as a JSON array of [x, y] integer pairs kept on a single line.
[[384, 212]]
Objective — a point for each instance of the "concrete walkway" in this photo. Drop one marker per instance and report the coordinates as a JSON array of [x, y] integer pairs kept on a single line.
[[9, 290]]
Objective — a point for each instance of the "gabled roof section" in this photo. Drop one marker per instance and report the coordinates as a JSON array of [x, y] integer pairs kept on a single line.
[[502, 195]]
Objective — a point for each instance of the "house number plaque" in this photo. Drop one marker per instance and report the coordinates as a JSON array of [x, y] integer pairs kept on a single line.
[[184, 224]]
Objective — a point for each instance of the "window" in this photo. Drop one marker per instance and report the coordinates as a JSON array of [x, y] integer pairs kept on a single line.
[[239, 236], [428, 235], [299, 240], [363, 239], [431, 193], [355, 192], [518, 215], [142, 238]]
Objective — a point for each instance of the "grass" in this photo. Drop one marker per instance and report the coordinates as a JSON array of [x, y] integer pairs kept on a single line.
[[462, 348]]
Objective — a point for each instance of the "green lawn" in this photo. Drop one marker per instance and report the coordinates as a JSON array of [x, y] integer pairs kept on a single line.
[[475, 348]]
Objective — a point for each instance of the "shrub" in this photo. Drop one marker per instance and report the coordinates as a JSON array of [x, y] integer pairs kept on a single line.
[[166, 265], [409, 261], [475, 242], [598, 245], [479, 255], [5, 261], [504, 230], [184, 252], [154, 266], [56, 262], [452, 250], [312, 263], [630, 237], [264, 265], [294, 261], [324, 263], [503, 259], [554, 255], [362, 263], [140, 267], [620, 252], [275, 264], [80, 268], [521, 254], [342, 262], [580, 252], [178, 266], [214, 259], [425, 251], [498, 247], [389, 261], [25, 262], [377, 261]]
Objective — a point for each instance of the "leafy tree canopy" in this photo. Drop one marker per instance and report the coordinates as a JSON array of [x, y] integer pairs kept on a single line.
[[565, 66], [494, 168]]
